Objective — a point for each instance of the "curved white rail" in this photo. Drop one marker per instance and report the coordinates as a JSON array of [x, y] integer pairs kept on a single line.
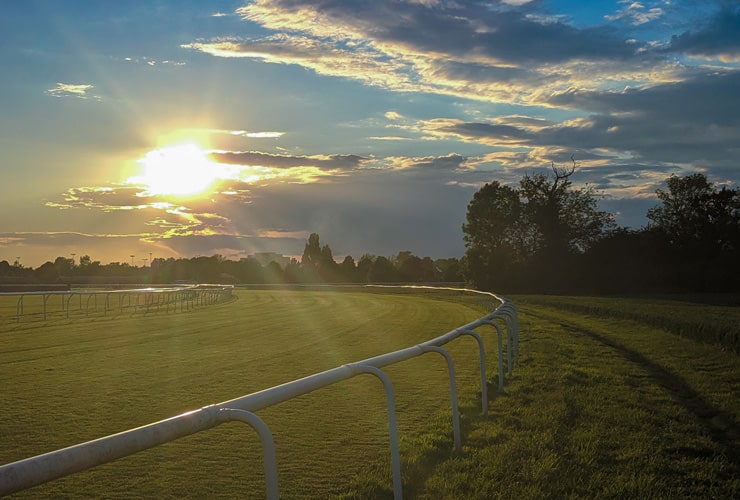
[[36, 470]]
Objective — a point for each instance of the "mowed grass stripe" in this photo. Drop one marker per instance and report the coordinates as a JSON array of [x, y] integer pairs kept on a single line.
[[70, 381]]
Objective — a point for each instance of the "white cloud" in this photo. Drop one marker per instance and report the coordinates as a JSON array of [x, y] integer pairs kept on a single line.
[[636, 14], [79, 90]]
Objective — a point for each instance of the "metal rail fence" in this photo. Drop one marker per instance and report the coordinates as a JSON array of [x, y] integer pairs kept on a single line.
[[36, 470], [43, 305]]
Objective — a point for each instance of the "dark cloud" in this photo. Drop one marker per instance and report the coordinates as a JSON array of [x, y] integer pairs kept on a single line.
[[696, 121], [719, 36], [708, 98], [458, 71], [503, 133], [481, 28], [329, 162], [448, 163]]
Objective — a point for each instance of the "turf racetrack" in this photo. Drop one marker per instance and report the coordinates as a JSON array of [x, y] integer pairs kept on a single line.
[[67, 382]]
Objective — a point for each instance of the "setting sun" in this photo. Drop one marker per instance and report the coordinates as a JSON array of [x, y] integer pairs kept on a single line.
[[180, 170]]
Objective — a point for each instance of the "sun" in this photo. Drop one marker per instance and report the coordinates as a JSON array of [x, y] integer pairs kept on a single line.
[[179, 170]]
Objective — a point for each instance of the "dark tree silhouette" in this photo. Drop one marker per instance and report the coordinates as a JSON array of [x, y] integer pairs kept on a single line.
[[698, 217], [527, 237], [700, 224]]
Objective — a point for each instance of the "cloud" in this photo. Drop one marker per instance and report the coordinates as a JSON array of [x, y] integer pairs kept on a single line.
[[107, 198], [449, 163], [277, 216], [492, 134], [360, 63], [645, 124], [492, 51], [718, 36], [79, 90], [484, 29], [263, 135], [636, 13], [702, 130], [153, 62], [322, 162]]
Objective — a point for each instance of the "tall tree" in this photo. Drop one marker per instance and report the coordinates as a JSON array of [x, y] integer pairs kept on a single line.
[[530, 233], [312, 253], [566, 218]]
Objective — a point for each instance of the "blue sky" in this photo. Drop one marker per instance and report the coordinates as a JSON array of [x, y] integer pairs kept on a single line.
[[185, 128]]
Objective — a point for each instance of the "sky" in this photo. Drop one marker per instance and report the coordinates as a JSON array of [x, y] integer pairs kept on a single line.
[[183, 128]]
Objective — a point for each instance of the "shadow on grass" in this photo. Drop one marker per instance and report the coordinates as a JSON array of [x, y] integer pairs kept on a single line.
[[720, 425]]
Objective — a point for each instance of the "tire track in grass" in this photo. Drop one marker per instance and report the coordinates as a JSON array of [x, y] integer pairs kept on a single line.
[[720, 425]]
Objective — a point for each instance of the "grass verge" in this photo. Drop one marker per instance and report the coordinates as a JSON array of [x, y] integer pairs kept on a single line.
[[599, 407]]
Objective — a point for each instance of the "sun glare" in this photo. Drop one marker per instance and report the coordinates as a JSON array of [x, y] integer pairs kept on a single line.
[[181, 170]]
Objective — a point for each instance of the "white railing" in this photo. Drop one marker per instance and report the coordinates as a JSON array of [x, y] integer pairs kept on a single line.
[[136, 300], [36, 470]]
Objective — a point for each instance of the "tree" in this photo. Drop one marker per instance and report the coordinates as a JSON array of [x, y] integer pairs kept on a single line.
[[348, 270], [450, 269], [63, 266], [382, 271], [530, 234], [363, 267], [311, 259], [273, 273], [700, 224], [697, 217], [250, 271], [317, 263], [328, 267], [567, 219], [417, 270], [46, 273]]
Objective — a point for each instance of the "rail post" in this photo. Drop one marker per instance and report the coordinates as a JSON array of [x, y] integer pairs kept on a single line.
[[392, 425], [269, 456], [453, 392], [483, 381]]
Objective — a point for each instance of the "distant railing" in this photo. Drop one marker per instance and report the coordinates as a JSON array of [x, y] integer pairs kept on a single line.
[[36, 470], [43, 305]]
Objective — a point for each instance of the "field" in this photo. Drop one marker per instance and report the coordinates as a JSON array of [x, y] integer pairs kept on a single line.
[[77, 380], [602, 404]]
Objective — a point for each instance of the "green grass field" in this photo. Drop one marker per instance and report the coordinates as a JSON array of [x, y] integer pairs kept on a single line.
[[77, 380], [601, 405]]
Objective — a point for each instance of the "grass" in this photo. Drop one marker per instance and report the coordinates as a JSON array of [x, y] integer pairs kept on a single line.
[[78, 380], [701, 317], [603, 404], [599, 407]]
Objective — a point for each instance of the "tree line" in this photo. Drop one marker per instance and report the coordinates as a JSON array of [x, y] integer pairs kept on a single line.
[[547, 236], [317, 265]]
